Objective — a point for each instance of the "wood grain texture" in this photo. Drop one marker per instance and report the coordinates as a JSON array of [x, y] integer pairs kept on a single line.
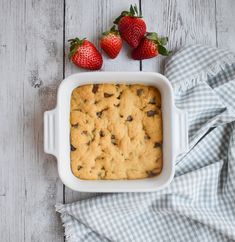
[[225, 23], [184, 22], [95, 17], [30, 69]]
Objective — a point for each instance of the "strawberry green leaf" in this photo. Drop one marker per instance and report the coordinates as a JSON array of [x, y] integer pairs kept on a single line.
[[163, 40], [163, 51], [152, 36], [124, 13], [136, 10], [132, 11], [113, 29], [72, 52], [74, 44], [105, 33], [117, 20]]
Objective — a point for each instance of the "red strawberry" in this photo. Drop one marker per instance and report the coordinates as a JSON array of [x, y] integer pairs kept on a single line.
[[111, 42], [131, 26], [84, 54], [150, 46]]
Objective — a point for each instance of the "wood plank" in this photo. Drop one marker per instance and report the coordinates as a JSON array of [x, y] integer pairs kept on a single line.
[[89, 18], [31, 40], [225, 23], [184, 22]]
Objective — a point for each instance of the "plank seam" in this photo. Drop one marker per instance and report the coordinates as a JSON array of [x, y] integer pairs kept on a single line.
[[64, 10]]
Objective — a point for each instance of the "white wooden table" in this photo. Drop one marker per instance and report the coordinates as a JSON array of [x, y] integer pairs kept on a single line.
[[33, 62]]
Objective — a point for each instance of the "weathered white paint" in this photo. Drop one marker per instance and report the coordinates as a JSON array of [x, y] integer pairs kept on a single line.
[[31, 68], [31, 60], [225, 23]]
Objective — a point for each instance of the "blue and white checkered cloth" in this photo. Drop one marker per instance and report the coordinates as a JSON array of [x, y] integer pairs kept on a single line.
[[199, 205]]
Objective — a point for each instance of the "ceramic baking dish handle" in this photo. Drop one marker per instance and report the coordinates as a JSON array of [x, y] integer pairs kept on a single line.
[[50, 141], [181, 131]]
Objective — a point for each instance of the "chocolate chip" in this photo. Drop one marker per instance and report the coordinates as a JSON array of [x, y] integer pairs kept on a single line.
[[120, 94], [99, 114], [102, 133], [84, 132], [151, 113], [72, 148], [129, 118], [113, 140], [139, 92], [106, 95], [146, 137], [151, 173], [95, 88], [121, 116], [157, 145], [79, 167], [152, 101], [74, 125], [101, 174]]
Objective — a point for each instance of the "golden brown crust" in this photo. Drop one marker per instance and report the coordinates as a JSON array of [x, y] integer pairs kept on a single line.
[[116, 132]]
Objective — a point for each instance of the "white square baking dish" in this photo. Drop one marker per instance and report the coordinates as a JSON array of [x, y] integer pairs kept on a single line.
[[57, 132]]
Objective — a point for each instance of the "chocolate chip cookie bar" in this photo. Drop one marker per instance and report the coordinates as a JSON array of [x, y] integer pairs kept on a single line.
[[116, 132]]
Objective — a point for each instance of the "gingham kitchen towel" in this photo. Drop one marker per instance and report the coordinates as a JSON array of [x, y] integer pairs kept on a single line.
[[199, 205]]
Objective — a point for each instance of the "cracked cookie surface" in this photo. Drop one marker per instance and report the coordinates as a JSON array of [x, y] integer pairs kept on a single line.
[[116, 132]]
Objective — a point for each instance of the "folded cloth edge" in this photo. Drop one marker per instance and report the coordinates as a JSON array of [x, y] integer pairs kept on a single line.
[[210, 70], [69, 231]]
